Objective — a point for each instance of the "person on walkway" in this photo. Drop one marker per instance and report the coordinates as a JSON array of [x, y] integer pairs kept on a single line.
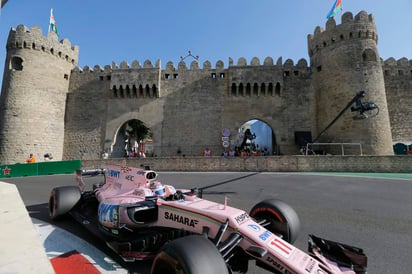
[[31, 159]]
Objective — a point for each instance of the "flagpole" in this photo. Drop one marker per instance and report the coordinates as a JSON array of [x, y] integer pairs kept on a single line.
[[51, 14]]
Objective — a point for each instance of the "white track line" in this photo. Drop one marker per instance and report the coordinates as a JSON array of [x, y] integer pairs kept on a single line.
[[57, 241]]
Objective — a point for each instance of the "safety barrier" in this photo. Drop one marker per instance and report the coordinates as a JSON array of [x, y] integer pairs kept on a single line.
[[41, 168]]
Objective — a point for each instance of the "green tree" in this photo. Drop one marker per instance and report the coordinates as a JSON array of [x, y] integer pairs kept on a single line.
[[137, 130]]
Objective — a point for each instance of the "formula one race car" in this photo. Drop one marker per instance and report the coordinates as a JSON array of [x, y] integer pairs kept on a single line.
[[140, 218]]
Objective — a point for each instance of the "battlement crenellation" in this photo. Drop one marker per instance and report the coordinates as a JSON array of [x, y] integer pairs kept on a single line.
[[22, 37], [194, 66], [362, 26]]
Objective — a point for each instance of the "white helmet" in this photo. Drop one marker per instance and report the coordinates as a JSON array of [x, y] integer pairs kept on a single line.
[[158, 188]]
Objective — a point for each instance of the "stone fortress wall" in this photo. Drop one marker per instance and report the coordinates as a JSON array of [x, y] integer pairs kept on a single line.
[[187, 108], [35, 83], [398, 86], [344, 60]]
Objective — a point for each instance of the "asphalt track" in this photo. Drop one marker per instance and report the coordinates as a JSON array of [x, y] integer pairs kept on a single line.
[[371, 211]]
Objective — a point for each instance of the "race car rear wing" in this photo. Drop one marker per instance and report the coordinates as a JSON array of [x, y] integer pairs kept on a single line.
[[343, 255], [90, 172], [80, 173]]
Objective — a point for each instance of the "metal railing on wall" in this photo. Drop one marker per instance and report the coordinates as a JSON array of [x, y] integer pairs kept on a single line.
[[311, 151]]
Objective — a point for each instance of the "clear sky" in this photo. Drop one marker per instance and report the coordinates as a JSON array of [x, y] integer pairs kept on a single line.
[[128, 30]]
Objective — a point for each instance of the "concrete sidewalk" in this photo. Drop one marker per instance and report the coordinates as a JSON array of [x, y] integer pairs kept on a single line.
[[28, 244], [22, 251]]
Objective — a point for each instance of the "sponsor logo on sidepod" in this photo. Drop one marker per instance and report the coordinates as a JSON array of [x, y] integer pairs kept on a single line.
[[180, 219]]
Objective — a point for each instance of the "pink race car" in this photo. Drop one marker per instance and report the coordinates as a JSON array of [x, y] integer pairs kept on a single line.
[[140, 218]]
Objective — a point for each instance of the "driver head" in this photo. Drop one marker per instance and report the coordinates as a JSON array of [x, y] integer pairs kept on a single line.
[[158, 188]]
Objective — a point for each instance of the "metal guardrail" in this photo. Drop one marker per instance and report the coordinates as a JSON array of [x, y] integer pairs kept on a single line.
[[334, 144]]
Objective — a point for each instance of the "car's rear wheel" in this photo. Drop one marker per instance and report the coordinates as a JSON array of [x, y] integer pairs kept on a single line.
[[62, 200], [280, 218], [193, 254]]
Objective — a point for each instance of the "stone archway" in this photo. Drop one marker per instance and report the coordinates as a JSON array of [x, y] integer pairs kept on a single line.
[[256, 136], [129, 138]]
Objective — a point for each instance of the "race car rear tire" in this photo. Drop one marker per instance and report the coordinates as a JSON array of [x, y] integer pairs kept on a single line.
[[283, 219], [62, 200], [193, 254]]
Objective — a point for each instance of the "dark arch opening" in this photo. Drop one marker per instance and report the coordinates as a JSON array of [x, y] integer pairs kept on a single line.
[[140, 91], [277, 89], [270, 89], [121, 91], [369, 55], [134, 91], [255, 138], [241, 89], [132, 140], [114, 91], [233, 90], [255, 89], [263, 89], [154, 91], [16, 63], [248, 89]]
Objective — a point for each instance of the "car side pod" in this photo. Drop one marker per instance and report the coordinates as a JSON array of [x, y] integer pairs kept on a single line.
[[342, 254]]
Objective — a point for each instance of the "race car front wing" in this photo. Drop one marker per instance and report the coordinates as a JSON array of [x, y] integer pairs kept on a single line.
[[342, 254]]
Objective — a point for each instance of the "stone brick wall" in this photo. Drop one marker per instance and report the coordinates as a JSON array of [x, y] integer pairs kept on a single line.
[[370, 164], [398, 87]]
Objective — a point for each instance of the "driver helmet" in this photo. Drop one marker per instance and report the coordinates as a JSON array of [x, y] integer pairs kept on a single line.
[[158, 188]]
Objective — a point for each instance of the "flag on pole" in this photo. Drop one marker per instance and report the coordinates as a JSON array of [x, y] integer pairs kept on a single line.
[[337, 6], [52, 24]]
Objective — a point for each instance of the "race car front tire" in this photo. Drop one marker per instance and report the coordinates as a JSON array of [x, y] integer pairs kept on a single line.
[[62, 200], [193, 254], [281, 218]]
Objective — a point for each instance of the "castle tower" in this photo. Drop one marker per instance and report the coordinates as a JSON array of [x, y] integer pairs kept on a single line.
[[345, 60], [32, 102]]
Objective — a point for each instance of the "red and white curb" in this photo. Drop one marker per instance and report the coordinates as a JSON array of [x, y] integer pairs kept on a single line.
[[70, 254]]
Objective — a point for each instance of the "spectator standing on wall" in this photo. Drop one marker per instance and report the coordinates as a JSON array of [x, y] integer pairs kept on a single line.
[[207, 152], [31, 159]]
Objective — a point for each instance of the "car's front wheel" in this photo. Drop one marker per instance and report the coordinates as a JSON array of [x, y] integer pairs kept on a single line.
[[277, 217], [193, 254]]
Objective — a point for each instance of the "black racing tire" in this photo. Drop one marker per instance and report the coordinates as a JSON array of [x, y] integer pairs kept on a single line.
[[193, 254], [283, 219], [62, 200]]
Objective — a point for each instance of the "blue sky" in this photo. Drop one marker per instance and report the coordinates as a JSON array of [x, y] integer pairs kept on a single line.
[[128, 30]]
